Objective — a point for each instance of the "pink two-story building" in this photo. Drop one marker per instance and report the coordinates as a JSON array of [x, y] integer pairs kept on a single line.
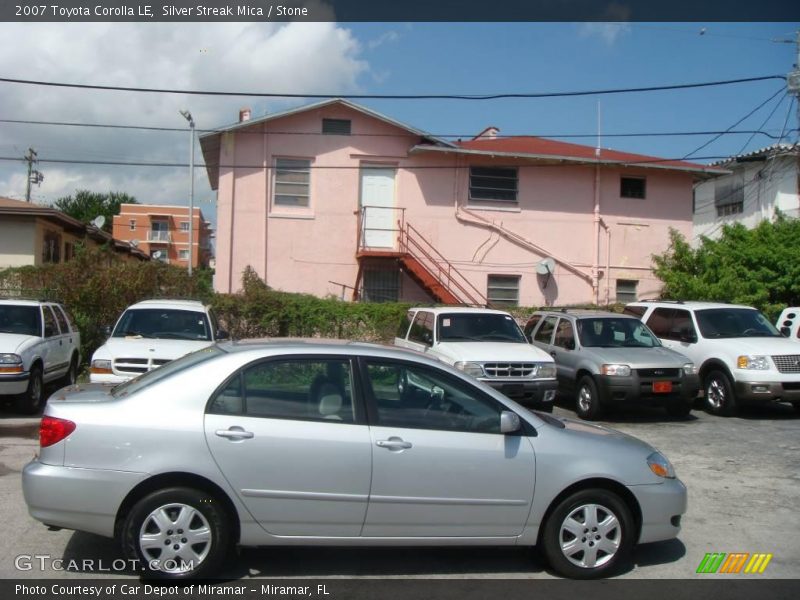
[[336, 199]]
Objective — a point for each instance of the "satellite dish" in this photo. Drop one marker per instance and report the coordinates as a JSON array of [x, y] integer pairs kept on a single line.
[[546, 266], [157, 254], [99, 221]]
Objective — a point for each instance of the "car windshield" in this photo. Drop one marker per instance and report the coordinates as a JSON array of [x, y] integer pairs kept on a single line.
[[168, 370], [733, 323], [163, 323], [479, 327], [24, 320], [605, 332]]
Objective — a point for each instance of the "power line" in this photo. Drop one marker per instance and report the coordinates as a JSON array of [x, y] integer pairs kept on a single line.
[[395, 96], [772, 112], [744, 118], [752, 132]]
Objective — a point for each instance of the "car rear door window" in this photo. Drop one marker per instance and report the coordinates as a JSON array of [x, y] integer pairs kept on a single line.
[[297, 389], [682, 325], [545, 332], [531, 325], [565, 336], [62, 320], [50, 324], [660, 322]]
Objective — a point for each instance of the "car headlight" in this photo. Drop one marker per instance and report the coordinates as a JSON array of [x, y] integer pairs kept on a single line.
[[546, 371], [690, 369], [101, 367], [659, 465], [10, 363], [10, 359], [759, 363], [470, 368], [617, 370]]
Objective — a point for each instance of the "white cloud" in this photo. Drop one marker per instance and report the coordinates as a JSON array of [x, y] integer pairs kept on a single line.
[[608, 32], [387, 37], [258, 57]]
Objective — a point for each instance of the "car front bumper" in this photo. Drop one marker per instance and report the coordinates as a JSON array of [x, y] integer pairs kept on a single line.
[[662, 505], [768, 391], [73, 498], [13, 384], [108, 378], [632, 389], [540, 393]]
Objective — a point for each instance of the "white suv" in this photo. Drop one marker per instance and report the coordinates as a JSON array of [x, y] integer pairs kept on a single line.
[[150, 334], [38, 344], [740, 355]]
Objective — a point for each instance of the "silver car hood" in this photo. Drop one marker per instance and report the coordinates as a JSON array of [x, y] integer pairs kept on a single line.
[[637, 357], [84, 392]]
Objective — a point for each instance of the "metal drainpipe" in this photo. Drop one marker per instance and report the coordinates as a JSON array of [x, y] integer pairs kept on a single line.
[[596, 263]]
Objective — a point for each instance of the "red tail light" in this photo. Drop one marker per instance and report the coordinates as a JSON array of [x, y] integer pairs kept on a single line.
[[53, 430]]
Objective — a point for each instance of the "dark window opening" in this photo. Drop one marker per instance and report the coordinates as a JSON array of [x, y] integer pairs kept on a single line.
[[336, 126], [493, 184], [632, 187]]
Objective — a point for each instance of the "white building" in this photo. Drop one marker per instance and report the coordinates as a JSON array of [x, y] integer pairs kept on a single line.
[[759, 183]]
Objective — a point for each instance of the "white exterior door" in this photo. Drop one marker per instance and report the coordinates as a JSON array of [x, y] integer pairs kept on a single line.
[[377, 196]]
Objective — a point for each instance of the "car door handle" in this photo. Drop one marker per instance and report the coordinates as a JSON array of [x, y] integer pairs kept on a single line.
[[394, 444], [234, 433]]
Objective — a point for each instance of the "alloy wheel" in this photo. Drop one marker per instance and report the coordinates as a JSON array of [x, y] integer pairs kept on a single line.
[[176, 538], [590, 536]]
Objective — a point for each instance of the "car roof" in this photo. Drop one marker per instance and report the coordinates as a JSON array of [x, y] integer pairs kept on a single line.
[[321, 345], [690, 304], [24, 302], [583, 313], [167, 303], [460, 309]]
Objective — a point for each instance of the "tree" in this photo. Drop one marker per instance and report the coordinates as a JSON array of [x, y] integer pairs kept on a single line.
[[86, 205], [758, 267]]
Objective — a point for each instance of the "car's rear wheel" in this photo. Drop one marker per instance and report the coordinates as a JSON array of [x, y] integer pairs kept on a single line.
[[31, 401], [679, 409], [589, 534], [720, 398], [587, 399], [177, 533]]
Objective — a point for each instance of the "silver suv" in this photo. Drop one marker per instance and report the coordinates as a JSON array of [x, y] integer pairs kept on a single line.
[[605, 358]]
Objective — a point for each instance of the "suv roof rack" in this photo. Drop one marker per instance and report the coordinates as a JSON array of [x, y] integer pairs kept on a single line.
[[30, 299], [664, 301]]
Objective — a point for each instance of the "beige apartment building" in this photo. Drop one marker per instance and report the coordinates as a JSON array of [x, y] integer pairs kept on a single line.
[[162, 232]]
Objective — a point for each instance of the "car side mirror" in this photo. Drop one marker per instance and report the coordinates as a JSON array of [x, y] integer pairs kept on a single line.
[[786, 332], [509, 422], [222, 334], [107, 331]]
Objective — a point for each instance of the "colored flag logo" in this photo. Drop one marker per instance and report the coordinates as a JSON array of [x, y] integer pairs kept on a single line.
[[735, 562]]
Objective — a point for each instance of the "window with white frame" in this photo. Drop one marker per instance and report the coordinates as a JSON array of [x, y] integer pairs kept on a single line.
[[626, 290], [503, 290], [292, 182], [185, 226], [729, 194], [183, 254], [493, 184]]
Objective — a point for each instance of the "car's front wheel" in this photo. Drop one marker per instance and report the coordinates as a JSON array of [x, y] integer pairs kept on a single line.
[[719, 395], [31, 401], [589, 534], [587, 399], [177, 533]]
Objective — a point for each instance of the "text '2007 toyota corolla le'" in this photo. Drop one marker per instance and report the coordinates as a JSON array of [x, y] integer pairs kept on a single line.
[[293, 442]]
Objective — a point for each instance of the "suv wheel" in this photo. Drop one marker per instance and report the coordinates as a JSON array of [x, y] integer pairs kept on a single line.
[[587, 399], [719, 396], [31, 401], [177, 533], [588, 534]]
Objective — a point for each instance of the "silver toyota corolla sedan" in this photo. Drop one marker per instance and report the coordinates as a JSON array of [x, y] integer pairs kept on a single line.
[[300, 442]]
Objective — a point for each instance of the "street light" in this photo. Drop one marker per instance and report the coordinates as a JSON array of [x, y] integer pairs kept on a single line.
[[188, 116]]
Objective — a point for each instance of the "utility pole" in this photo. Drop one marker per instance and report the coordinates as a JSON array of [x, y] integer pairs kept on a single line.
[[34, 175], [793, 78], [188, 116]]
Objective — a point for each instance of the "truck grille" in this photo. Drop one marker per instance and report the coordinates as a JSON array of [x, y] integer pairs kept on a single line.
[[136, 366], [659, 373], [510, 369], [787, 363]]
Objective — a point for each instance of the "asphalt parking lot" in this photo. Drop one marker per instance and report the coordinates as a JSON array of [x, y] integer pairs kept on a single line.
[[743, 476]]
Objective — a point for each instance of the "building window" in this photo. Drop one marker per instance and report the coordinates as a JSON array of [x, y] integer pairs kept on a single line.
[[503, 290], [132, 224], [185, 226], [381, 285], [729, 194], [183, 254], [493, 184], [626, 290], [51, 247], [69, 251], [336, 126], [292, 182], [632, 187]]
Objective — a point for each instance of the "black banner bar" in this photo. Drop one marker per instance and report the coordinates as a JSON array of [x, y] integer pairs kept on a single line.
[[398, 10]]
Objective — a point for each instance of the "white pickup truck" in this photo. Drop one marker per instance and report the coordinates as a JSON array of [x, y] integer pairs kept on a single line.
[[487, 344]]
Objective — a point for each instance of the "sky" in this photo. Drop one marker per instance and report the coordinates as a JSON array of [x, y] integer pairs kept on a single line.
[[375, 58]]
